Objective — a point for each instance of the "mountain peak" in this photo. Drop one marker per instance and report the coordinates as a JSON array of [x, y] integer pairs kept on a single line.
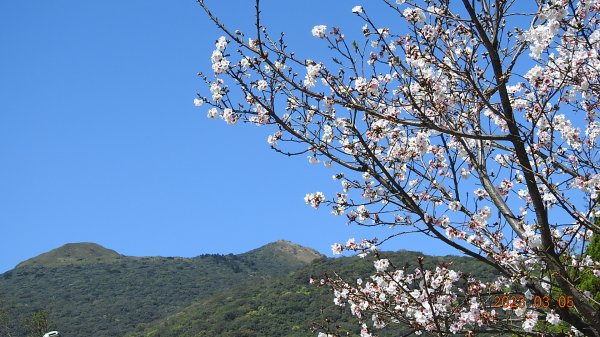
[[302, 253], [73, 253], [287, 251]]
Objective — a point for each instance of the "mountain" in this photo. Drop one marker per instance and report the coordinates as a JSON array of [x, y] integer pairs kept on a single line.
[[90, 290], [73, 254], [288, 306]]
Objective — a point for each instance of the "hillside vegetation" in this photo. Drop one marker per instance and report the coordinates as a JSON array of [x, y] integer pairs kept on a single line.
[[89, 290], [92, 291], [286, 306]]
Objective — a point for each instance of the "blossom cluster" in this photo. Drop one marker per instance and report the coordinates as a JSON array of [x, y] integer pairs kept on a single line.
[[422, 299]]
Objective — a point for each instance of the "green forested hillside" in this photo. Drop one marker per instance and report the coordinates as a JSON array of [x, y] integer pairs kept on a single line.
[[285, 306], [88, 294], [88, 290]]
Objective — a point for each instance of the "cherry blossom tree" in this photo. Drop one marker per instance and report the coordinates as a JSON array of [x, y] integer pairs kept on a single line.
[[474, 122]]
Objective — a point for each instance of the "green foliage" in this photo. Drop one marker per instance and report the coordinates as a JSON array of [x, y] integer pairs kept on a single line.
[[6, 328], [38, 324], [590, 282]]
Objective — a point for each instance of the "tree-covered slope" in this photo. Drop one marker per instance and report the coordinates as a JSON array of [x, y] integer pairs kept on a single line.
[[264, 292], [89, 290], [285, 306]]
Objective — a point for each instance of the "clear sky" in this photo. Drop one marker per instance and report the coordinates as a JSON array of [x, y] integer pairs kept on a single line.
[[100, 141]]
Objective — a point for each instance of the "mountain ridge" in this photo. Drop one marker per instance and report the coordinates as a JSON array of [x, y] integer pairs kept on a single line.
[[262, 292], [81, 253], [92, 290]]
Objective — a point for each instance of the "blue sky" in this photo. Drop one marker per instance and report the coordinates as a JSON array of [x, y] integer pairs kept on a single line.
[[100, 141]]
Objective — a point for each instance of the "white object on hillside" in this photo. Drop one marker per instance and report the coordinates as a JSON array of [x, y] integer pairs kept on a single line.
[[52, 334]]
